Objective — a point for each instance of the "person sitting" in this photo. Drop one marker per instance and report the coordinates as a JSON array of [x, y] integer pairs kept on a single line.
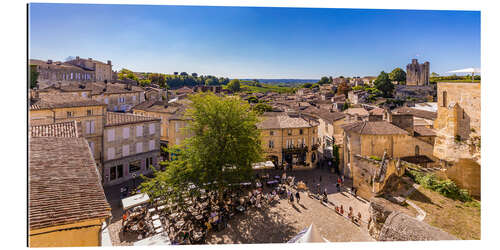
[[341, 209]]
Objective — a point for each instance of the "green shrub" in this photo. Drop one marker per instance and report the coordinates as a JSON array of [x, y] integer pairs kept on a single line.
[[447, 188]]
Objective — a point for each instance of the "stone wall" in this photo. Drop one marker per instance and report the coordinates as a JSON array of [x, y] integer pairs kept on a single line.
[[417, 74], [466, 173]]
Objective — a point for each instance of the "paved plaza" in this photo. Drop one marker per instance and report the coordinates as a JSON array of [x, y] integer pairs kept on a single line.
[[282, 221]]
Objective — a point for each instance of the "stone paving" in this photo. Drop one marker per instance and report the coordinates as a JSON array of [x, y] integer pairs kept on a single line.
[[281, 222]]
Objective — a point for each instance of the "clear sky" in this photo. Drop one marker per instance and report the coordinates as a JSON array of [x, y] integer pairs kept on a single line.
[[244, 42]]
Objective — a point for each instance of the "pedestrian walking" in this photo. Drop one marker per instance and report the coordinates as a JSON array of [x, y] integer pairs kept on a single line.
[[342, 179], [291, 199], [297, 195], [338, 187], [288, 194]]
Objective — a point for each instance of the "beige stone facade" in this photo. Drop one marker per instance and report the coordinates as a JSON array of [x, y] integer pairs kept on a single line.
[[62, 108], [289, 139], [458, 129], [131, 146]]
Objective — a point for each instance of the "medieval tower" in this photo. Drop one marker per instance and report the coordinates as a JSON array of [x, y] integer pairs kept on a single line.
[[417, 74]]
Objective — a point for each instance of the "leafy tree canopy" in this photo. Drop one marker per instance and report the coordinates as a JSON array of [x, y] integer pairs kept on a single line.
[[384, 84], [234, 85], [398, 75], [223, 145]]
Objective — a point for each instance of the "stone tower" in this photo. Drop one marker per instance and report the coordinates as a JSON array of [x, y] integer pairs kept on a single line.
[[417, 74]]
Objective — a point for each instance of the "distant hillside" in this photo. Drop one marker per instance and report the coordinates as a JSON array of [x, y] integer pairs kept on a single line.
[[284, 82]]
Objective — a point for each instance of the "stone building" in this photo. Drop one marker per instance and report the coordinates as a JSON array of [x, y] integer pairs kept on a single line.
[[64, 107], [66, 204], [130, 145], [102, 71], [77, 70], [394, 135], [330, 133], [357, 96], [417, 74], [171, 113], [458, 129], [289, 138], [116, 96]]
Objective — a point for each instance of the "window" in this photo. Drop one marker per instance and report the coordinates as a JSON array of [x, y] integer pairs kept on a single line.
[[417, 150], [271, 144], [289, 132], [149, 162], [91, 127], [301, 131], [111, 135], [112, 173], [125, 150], [138, 147], [111, 153], [89, 112], [177, 126], [106, 100], [151, 128], [445, 95], [119, 169], [69, 114], [151, 145], [71, 75], [126, 132], [138, 131], [134, 166], [84, 94], [133, 98], [271, 133]]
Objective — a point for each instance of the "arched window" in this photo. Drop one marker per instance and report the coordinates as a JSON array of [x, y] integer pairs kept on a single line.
[[444, 98], [417, 150]]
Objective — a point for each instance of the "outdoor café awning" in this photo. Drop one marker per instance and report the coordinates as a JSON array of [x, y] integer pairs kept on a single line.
[[308, 235], [155, 240], [135, 200], [263, 165]]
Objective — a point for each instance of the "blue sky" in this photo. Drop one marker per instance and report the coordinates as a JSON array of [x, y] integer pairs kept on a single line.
[[244, 42]]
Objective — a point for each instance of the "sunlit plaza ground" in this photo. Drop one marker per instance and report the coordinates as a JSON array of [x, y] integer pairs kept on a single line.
[[282, 221]]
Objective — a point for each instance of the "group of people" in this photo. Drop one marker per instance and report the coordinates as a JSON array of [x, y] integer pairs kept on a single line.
[[350, 214], [291, 196]]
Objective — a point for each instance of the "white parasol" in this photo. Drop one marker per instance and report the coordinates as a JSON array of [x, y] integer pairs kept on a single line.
[[467, 70], [308, 235]]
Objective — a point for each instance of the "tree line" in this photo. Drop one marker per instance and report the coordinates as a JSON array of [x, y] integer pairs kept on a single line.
[[174, 80]]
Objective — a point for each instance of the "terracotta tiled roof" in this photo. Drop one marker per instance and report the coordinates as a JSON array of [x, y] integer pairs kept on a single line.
[[377, 111], [115, 118], [356, 111], [62, 101], [374, 128], [63, 129], [64, 186], [429, 115], [282, 120], [424, 131], [331, 116]]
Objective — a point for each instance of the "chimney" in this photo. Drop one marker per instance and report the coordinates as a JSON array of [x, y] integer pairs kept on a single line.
[[49, 61], [109, 62]]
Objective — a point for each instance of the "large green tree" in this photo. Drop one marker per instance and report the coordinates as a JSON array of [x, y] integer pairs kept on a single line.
[[398, 75], [33, 76], [234, 85], [324, 80], [384, 84], [223, 144]]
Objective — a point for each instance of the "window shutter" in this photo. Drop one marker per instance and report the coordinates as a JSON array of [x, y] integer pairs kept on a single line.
[[87, 127], [111, 135], [126, 150], [151, 145], [138, 147], [111, 153], [92, 127], [151, 128], [126, 132], [138, 131]]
